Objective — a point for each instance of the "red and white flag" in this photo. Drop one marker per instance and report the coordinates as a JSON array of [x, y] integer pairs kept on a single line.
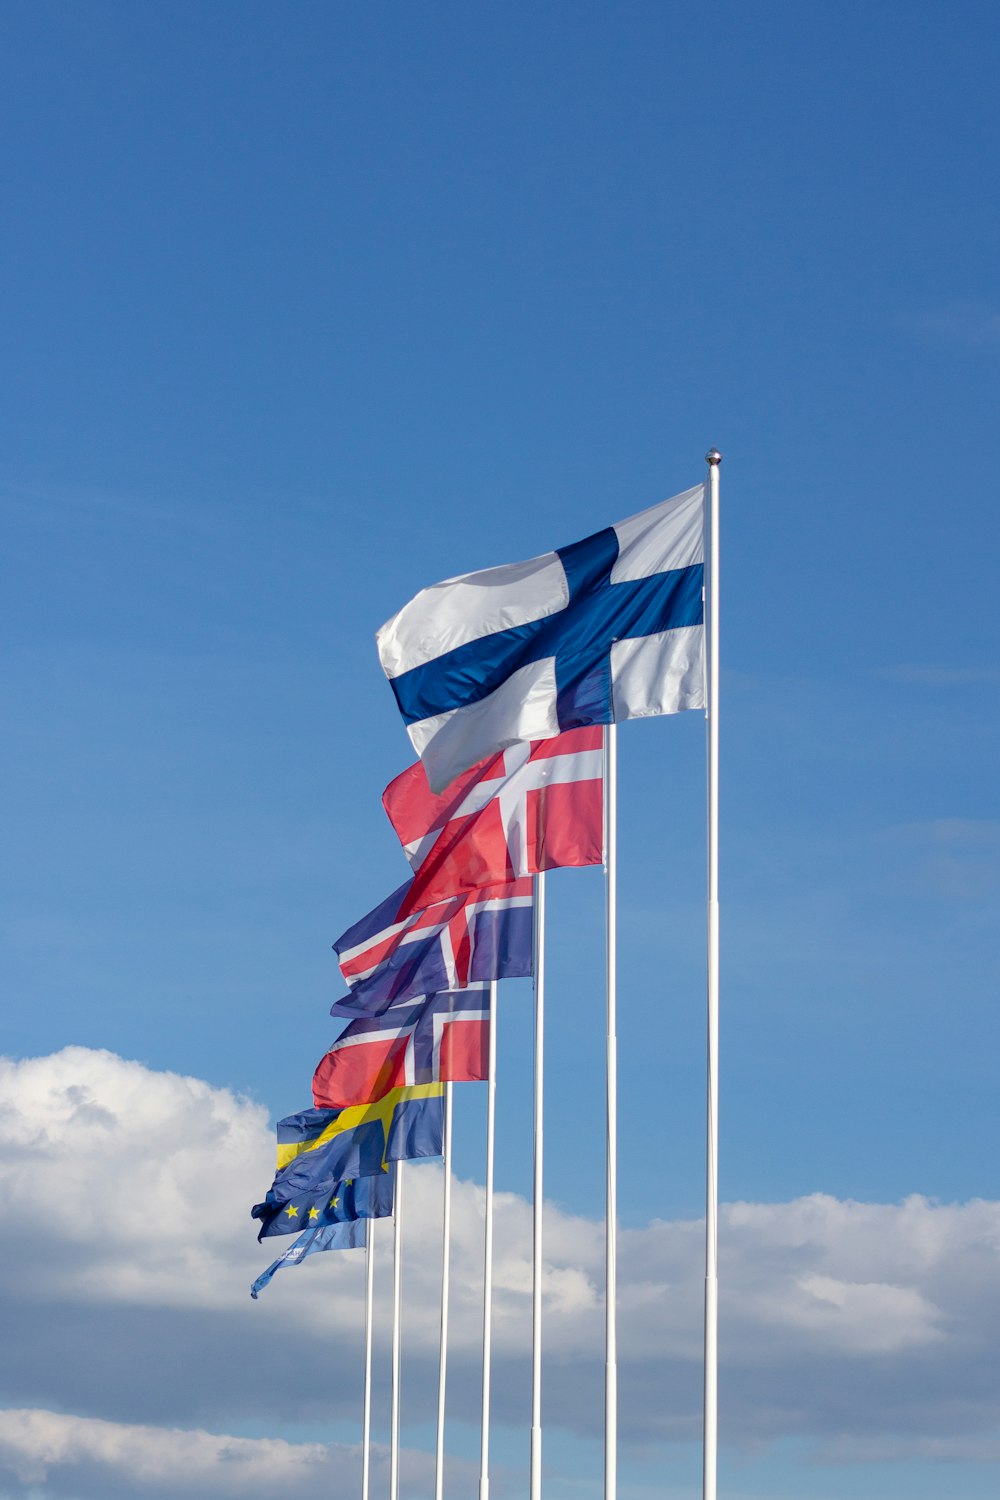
[[535, 806]]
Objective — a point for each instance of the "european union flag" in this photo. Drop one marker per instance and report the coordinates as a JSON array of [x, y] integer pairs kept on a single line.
[[350, 1236], [344, 1203], [320, 1150]]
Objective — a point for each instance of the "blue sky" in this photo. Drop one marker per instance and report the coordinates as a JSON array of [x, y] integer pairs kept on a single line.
[[307, 307]]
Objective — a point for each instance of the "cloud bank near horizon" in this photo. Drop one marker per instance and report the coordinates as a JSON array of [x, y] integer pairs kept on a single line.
[[862, 1328]]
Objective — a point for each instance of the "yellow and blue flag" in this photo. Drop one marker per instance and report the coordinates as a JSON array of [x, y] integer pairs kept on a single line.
[[322, 1150]]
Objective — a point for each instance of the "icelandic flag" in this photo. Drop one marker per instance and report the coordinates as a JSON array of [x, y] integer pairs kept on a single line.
[[605, 629], [531, 807], [438, 1039], [348, 1236], [396, 954]]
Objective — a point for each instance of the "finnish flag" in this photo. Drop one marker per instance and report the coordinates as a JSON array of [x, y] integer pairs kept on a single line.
[[606, 629]]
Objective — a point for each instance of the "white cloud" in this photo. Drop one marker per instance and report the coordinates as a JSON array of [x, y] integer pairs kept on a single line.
[[80, 1456], [939, 676], [954, 859], [948, 833], [964, 322], [129, 1253]]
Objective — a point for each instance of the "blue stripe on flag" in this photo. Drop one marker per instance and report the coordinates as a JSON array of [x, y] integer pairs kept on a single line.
[[579, 636]]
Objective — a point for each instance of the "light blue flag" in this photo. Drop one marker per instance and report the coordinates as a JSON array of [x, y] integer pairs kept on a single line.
[[348, 1236]]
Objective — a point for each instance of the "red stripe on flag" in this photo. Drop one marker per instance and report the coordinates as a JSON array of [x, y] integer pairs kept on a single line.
[[412, 807], [570, 742], [360, 1073], [564, 825], [465, 1051], [468, 852]]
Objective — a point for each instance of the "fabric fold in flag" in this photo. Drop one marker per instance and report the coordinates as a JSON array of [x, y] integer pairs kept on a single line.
[[441, 1038], [529, 808], [606, 629], [395, 954], [319, 1149]]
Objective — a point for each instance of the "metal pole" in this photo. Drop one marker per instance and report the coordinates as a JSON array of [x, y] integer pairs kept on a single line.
[[397, 1214], [713, 458], [491, 1104], [366, 1442], [611, 1204], [445, 1279], [535, 1488]]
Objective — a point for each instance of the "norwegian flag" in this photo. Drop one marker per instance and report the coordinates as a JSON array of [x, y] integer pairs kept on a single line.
[[436, 1039], [396, 954], [535, 806]]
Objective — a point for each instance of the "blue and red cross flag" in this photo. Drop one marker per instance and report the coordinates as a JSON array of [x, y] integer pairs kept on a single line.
[[605, 629], [534, 806], [395, 954], [439, 1039]]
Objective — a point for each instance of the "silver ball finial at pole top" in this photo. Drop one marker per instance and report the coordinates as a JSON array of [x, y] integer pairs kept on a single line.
[[713, 457]]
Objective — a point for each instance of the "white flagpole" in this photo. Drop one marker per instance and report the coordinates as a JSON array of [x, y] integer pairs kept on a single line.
[[491, 1102], [611, 1206], [366, 1442], [713, 458], [535, 1488], [397, 1215], [445, 1287]]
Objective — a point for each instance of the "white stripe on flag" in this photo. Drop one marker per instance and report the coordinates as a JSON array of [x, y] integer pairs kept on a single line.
[[664, 537], [658, 674], [523, 707], [457, 611]]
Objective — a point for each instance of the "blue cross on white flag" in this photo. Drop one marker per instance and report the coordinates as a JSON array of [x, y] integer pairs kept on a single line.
[[606, 629]]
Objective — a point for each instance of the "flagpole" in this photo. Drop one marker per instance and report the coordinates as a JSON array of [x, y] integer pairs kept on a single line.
[[397, 1216], [713, 458], [611, 1205], [366, 1443], [445, 1288], [535, 1488], [491, 1103]]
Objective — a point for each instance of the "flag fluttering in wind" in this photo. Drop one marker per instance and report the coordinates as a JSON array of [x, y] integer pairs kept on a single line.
[[347, 1236], [395, 954], [528, 808], [322, 1204], [319, 1149], [605, 629], [441, 1038]]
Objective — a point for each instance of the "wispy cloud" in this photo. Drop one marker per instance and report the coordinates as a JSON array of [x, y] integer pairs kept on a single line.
[[52, 506], [887, 1450], [961, 322], [941, 676], [954, 859], [948, 833]]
